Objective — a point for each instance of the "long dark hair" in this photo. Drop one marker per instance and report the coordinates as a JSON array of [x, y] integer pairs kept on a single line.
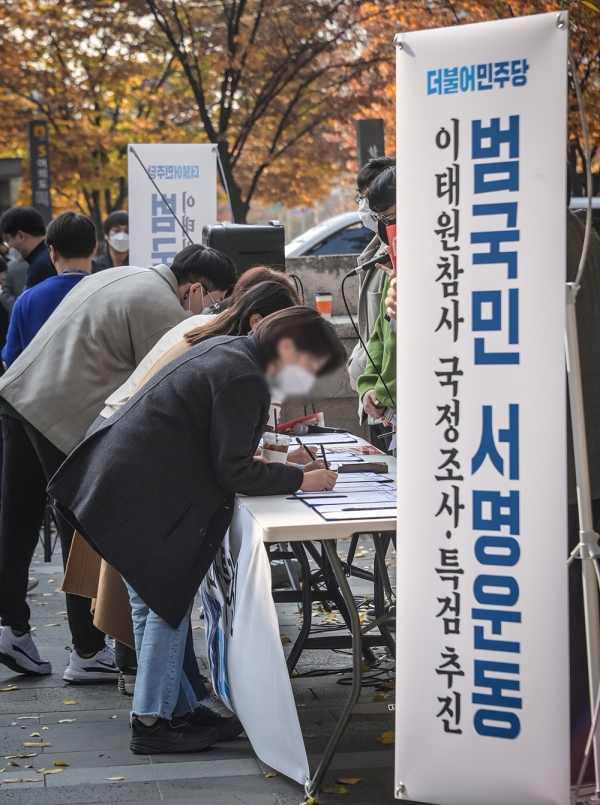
[[264, 298], [308, 330]]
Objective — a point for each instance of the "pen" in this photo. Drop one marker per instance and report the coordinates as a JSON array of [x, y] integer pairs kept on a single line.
[[323, 456], [312, 458]]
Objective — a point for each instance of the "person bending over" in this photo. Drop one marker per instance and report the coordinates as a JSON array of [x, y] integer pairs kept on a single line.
[[50, 396], [152, 490]]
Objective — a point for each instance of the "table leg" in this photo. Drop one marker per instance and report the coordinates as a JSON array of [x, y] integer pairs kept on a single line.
[[298, 647], [382, 582], [312, 786]]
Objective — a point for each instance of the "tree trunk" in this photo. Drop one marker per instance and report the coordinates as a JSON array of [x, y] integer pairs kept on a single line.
[[239, 207]]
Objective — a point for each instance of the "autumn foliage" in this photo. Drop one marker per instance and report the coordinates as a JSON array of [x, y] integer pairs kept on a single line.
[[276, 84]]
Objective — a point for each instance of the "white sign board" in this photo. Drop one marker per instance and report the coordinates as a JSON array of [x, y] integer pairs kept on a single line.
[[186, 177], [247, 662], [482, 627]]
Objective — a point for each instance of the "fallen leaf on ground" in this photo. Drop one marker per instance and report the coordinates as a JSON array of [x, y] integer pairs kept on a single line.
[[66, 720], [47, 594], [52, 771], [33, 780], [28, 754], [382, 697], [51, 624], [60, 763], [34, 735], [28, 767], [69, 701], [387, 737], [64, 612], [335, 789], [13, 780], [271, 774], [310, 801], [389, 684], [115, 778], [9, 688], [349, 780], [52, 581], [14, 763], [112, 716], [24, 718], [308, 735], [285, 640], [45, 728], [38, 744]]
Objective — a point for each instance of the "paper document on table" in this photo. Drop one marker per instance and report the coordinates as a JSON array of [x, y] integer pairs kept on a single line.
[[328, 438], [378, 513], [350, 498], [362, 478]]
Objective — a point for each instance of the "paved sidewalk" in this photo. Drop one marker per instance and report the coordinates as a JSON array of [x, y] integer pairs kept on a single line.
[[95, 740]]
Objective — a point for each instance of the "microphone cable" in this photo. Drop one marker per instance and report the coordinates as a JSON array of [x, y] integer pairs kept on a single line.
[[362, 343]]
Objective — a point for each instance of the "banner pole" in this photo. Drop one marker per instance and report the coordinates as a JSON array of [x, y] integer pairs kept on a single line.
[[588, 548]]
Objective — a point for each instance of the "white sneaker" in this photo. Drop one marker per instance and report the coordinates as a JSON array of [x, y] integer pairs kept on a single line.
[[20, 654], [213, 703], [99, 668]]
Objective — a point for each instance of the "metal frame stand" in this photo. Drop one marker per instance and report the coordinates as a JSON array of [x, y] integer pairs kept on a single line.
[[588, 549]]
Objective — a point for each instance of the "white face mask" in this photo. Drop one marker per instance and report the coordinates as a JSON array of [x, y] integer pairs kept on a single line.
[[291, 381], [120, 242], [364, 213], [15, 254]]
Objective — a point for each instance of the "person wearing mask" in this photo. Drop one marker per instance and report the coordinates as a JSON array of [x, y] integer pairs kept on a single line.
[[371, 285], [98, 579], [377, 384], [71, 242], [14, 281], [116, 234], [158, 511], [50, 396], [24, 232]]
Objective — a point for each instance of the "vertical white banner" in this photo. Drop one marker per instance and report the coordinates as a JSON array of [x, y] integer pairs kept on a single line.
[[482, 626], [186, 176]]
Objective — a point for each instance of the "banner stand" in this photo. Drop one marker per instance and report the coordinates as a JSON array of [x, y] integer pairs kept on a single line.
[[588, 549]]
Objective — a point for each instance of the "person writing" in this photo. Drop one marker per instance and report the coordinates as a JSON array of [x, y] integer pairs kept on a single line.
[[152, 490]]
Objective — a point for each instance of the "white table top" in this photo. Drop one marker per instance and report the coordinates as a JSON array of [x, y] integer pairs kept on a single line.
[[282, 519]]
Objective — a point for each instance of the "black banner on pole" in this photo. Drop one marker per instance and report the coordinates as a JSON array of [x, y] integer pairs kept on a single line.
[[40, 168], [369, 140]]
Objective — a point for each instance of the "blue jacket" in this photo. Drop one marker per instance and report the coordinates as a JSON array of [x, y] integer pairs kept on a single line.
[[31, 311], [40, 266]]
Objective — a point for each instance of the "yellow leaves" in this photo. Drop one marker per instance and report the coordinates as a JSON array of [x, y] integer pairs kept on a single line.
[[308, 735], [9, 689], [389, 684], [112, 716], [335, 789], [66, 720], [60, 763], [387, 737], [49, 771], [35, 735], [37, 745], [270, 774], [590, 5], [349, 780], [115, 779], [382, 697], [69, 701], [285, 640], [28, 754]]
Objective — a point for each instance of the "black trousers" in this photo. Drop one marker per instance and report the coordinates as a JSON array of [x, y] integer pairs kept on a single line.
[[30, 461]]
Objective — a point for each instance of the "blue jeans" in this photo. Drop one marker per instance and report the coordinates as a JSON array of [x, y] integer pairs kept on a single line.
[[168, 682]]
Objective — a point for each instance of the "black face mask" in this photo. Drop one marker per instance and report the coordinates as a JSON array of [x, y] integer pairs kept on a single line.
[[382, 231]]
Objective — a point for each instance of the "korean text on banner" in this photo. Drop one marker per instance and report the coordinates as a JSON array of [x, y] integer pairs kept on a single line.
[[482, 624], [186, 176]]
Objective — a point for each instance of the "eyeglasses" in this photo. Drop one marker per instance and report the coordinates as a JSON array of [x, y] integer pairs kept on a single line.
[[386, 220]]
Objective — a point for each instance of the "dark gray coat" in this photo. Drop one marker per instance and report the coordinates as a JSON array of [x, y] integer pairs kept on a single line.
[[152, 489]]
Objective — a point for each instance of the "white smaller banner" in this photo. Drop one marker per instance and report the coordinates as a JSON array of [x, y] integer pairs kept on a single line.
[[247, 662], [186, 176]]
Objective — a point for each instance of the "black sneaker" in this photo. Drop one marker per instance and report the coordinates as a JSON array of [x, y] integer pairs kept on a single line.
[[227, 728], [176, 735]]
